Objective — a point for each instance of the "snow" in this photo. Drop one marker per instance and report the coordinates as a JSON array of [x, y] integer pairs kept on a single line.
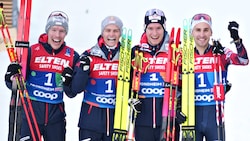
[[85, 26]]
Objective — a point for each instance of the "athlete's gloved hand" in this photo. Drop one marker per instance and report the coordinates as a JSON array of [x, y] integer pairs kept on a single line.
[[228, 87], [67, 75], [180, 117], [233, 29], [217, 48], [13, 69], [85, 62], [136, 104]]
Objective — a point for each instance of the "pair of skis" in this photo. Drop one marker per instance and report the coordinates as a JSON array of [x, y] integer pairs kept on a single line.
[[121, 122], [188, 85], [18, 54], [125, 112], [171, 87]]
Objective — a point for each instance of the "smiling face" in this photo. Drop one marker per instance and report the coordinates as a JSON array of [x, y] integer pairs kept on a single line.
[[56, 35], [202, 33], [111, 35], [154, 33]]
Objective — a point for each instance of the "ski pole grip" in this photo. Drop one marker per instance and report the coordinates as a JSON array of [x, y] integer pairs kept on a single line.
[[219, 92]]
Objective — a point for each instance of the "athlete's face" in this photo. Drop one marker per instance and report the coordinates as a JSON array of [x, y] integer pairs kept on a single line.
[[111, 35], [154, 33], [56, 35], [202, 33]]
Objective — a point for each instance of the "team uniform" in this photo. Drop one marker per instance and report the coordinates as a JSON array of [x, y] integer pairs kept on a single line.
[[99, 87], [148, 121], [45, 89], [44, 80], [204, 80]]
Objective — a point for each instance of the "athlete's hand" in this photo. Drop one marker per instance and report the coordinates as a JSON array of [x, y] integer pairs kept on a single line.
[[13, 69], [228, 86], [233, 29], [67, 75], [85, 62], [217, 48], [136, 104], [180, 117]]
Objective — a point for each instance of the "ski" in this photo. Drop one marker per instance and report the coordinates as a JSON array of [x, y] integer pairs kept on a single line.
[[123, 84], [19, 90], [15, 103], [22, 45], [22, 42], [171, 88], [188, 103], [219, 95]]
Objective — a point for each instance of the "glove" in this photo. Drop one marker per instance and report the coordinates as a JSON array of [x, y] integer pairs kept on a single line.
[[233, 28], [11, 71], [85, 62], [228, 87], [180, 117], [67, 75], [135, 104], [217, 48]]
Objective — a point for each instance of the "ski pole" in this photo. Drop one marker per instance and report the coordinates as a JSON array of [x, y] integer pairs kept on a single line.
[[175, 77], [219, 95], [19, 79], [12, 58], [167, 90]]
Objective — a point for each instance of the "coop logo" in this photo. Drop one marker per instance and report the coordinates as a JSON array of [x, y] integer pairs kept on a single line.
[[105, 100], [207, 98], [41, 94], [159, 91]]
